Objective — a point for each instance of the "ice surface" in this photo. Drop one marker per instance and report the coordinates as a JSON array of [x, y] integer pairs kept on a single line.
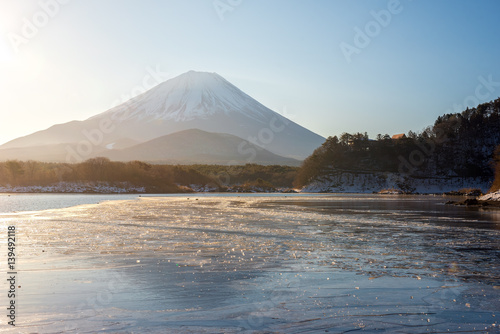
[[289, 264]]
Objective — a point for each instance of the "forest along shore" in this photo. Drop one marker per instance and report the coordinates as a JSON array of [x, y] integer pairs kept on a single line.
[[100, 175]]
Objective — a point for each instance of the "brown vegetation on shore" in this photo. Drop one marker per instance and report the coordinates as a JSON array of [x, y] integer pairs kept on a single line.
[[154, 178]]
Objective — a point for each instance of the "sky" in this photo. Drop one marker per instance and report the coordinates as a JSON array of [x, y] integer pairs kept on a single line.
[[333, 66]]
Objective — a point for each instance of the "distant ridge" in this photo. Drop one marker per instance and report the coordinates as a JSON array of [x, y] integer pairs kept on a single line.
[[195, 146]]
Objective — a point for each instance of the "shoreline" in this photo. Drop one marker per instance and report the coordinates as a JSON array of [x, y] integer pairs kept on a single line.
[[470, 200], [489, 200], [276, 191]]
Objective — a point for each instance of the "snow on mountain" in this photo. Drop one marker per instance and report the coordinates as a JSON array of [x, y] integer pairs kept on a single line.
[[193, 100], [189, 96]]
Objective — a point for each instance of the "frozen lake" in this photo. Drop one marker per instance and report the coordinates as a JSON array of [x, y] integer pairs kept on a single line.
[[13, 202], [243, 264]]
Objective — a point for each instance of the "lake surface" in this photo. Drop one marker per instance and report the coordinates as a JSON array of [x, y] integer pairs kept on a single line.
[[19, 202], [257, 263], [10, 203]]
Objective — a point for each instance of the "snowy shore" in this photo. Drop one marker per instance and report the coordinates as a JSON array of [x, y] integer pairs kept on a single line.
[[72, 187], [375, 182], [383, 183]]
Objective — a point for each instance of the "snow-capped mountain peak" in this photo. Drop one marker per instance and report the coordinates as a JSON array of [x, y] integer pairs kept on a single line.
[[193, 100], [192, 95]]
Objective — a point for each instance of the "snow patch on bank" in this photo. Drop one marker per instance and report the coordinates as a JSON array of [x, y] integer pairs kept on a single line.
[[203, 188], [348, 182], [495, 196]]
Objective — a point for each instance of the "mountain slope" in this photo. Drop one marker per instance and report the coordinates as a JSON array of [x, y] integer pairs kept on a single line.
[[199, 147], [194, 100]]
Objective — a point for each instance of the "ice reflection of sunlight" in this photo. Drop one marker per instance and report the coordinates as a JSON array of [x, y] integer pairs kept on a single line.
[[494, 215], [262, 255]]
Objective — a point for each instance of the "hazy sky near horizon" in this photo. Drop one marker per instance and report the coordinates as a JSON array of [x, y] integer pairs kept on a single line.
[[331, 66]]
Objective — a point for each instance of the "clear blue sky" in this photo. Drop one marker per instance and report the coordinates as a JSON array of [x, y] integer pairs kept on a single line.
[[287, 54]]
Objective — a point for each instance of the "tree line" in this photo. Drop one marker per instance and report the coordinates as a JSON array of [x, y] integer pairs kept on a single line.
[[496, 162], [154, 178], [457, 145]]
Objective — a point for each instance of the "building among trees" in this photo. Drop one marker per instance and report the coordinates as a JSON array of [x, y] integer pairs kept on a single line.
[[398, 136]]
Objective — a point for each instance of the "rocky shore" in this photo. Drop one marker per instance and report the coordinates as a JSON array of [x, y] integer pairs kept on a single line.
[[488, 200]]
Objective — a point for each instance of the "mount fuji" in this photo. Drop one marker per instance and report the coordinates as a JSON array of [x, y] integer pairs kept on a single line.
[[194, 100]]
